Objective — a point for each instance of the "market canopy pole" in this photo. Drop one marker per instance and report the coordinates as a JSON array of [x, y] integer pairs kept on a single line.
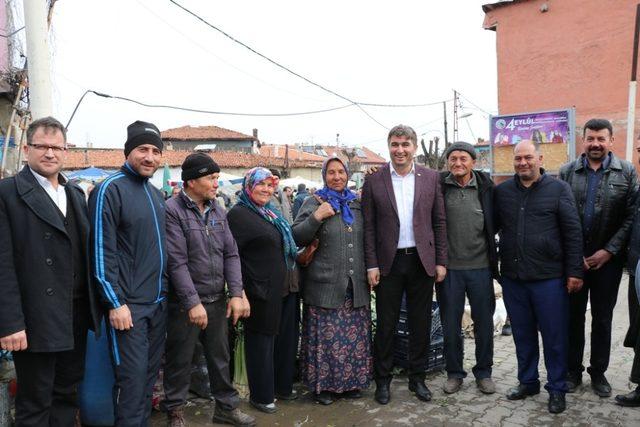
[[39, 63], [631, 113]]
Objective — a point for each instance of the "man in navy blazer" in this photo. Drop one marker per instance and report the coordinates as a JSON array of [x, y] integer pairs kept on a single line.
[[405, 241]]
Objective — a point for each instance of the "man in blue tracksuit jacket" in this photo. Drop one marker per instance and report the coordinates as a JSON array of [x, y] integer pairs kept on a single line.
[[129, 261]]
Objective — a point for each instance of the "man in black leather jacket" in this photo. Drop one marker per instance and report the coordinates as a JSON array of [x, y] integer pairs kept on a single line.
[[632, 339], [604, 187]]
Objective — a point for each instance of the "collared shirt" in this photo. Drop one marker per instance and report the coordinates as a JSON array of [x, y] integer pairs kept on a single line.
[[449, 179], [207, 205], [593, 183], [58, 195], [404, 190]]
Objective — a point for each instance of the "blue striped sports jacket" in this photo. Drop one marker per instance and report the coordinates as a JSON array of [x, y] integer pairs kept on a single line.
[[128, 250]]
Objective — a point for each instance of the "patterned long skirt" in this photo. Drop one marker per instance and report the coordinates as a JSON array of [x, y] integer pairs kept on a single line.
[[336, 348]]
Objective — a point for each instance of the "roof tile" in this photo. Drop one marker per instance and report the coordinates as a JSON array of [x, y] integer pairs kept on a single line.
[[203, 133], [113, 159]]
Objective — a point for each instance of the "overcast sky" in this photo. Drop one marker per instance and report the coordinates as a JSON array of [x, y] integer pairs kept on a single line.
[[399, 52]]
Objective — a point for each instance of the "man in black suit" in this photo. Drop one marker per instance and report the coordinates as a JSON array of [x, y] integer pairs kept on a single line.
[[47, 304]]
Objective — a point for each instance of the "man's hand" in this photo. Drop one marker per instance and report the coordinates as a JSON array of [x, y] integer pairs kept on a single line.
[[585, 266], [247, 306], [574, 284], [598, 259], [324, 211], [441, 272], [236, 308], [120, 318], [371, 170], [14, 342], [373, 277], [198, 316]]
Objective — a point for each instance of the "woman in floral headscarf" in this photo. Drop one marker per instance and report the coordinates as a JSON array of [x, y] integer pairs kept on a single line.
[[267, 251], [336, 339]]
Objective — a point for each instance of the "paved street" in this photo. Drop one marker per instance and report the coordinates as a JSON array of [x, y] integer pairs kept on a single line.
[[468, 407]]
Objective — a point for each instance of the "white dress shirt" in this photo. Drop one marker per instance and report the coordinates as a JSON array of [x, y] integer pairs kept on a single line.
[[59, 196], [404, 190]]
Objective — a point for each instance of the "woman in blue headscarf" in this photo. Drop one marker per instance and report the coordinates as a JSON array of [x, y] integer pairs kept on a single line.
[[336, 330], [267, 253]]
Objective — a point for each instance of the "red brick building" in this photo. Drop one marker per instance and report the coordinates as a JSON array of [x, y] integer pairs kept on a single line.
[[556, 54]]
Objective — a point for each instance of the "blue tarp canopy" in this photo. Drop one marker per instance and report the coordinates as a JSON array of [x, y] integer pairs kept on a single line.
[[89, 174]]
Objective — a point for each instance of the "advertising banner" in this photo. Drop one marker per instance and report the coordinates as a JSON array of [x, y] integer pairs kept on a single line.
[[554, 130], [543, 128]]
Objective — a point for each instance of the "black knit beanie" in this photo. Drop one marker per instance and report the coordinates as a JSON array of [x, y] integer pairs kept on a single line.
[[139, 133], [461, 146], [197, 165]]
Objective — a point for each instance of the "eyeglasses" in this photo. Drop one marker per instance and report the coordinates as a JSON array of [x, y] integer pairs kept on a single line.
[[44, 148]]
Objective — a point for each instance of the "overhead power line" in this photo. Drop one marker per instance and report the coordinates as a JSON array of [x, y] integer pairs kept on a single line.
[[367, 104], [12, 33], [196, 110], [475, 105], [214, 55], [277, 64]]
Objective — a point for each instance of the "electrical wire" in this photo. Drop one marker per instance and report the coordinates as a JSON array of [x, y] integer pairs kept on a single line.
[[475, 105], [367, 104], [12, 33], [196, 110], [211, 53], [277, 64]]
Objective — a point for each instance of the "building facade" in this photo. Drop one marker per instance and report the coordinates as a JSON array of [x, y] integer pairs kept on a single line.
[[556, 54]]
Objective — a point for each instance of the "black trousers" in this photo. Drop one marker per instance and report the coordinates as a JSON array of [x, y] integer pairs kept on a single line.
[[182, 336], [48, 382], [632, 339], [634, 310], [603, 285], [407, 275], [270, 359], [137, 354], [477, 284]]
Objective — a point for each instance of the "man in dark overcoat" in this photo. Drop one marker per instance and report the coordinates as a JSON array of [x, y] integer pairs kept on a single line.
[[47, 304]]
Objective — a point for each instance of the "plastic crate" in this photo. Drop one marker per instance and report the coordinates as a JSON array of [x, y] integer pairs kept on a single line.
[[435, 360]]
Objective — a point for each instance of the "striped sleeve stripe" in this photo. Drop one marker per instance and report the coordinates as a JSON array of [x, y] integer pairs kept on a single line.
[[99, 245]]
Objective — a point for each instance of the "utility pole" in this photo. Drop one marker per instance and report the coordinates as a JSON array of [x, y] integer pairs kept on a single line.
[[285, 172], [455, 116], [631, 112], [39, 64], [446, 132]]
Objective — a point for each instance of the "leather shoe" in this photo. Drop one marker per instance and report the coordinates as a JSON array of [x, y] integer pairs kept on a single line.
[[452, 385], [631, 399], [557, 403], [522, 391], [573, 382], [486, 385], [323, 398], [383, 394], [420, 389], [506, 329], [600, 385], [291, 396], [267, 408]]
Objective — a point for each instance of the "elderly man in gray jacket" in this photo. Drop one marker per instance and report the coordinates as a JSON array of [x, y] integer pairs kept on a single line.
[[202, 256]]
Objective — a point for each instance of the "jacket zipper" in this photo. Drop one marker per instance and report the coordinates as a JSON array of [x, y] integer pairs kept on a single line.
[[155, 220]]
